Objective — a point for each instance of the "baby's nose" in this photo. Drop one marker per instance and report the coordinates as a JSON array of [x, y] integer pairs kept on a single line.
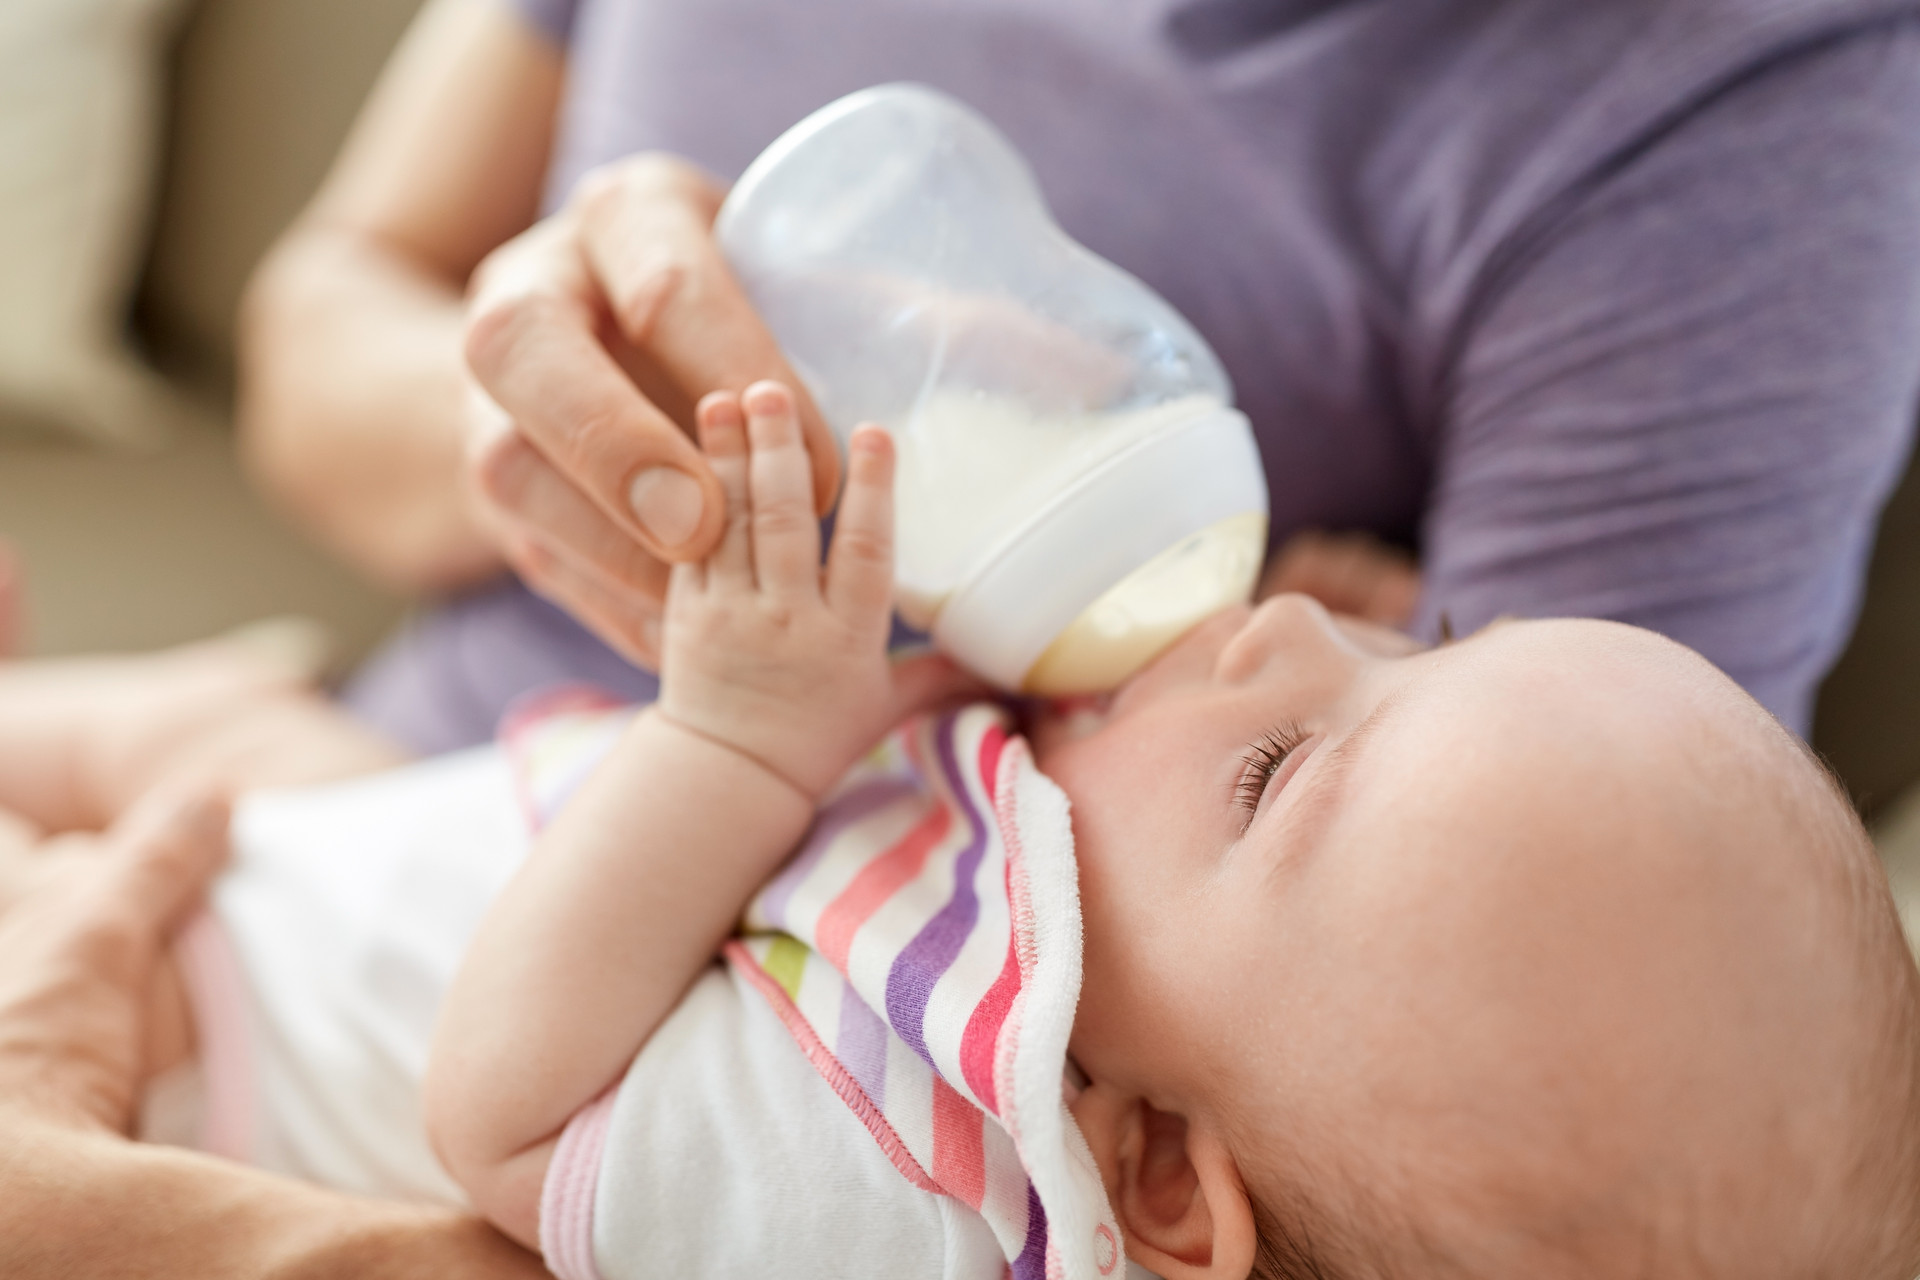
[[1291, 626]]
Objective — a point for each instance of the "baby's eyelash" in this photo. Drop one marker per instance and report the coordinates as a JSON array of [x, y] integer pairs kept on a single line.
[[1262, 761]]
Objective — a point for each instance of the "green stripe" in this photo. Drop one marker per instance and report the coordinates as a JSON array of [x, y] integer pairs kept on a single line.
[[786, 961]]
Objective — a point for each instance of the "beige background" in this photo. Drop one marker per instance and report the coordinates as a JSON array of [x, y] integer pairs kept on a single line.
[[128, 551]]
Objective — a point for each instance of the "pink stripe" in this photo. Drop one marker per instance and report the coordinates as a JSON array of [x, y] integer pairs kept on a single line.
[[567, 1195], [983, 1032], [992, 743], [828, 826], [573, 698], [982, 1036], [878, 881], [836, 1076], [216, 990], [959, 1146]]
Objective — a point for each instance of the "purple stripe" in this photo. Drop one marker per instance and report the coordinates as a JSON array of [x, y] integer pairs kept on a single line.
[[1032, 1262], [827, 827], [917, 969], [863, 1045]]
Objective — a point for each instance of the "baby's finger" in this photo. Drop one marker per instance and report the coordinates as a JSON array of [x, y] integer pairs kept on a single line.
[[786, 533], [860, 561], [723, 435], [523, 492]]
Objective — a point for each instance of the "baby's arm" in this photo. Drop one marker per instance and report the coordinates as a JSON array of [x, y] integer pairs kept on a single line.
[[775, 679]]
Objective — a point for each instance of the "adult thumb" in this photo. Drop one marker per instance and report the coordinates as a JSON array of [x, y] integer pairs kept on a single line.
[[162, 854]]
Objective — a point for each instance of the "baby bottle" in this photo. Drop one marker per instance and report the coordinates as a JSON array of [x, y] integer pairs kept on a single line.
[[1074, 488]]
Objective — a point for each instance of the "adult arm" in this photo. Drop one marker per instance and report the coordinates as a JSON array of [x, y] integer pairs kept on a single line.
[[76, 1197], [415, 283], [353, 404], [81, 1202], [1684, 406]]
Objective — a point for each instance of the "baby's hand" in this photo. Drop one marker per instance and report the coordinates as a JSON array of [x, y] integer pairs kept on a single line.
[[765, 652]]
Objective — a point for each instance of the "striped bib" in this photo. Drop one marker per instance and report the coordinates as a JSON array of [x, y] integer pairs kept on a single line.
[[923, 947]]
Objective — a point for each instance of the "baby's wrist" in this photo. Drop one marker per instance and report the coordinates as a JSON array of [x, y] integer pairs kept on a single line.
[[754, 761]]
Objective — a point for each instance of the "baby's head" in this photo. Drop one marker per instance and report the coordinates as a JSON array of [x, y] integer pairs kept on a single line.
[[1544, 953]]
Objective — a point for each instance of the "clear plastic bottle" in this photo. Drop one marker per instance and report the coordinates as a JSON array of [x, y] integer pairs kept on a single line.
[[1075, 489]]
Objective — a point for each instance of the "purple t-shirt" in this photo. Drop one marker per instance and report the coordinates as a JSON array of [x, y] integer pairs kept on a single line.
[[1606, 309]]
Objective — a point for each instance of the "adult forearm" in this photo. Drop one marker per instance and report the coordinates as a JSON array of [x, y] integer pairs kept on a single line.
[[352, 404], [161, 1212]]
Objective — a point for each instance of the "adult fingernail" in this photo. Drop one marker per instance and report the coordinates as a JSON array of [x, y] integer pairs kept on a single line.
[[667, 502]]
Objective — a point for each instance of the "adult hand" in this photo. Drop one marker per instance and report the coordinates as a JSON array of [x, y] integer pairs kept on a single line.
[[591, 337], [1349, 573], [79, 956]]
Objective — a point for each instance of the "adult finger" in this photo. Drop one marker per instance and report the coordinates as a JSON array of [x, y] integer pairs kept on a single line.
[[647, 227], [1351, 573], [161, 856], [786, 532], [860, 561], [80, 957], [628, 622], [525, 491], [532, 342], [1395, 595]]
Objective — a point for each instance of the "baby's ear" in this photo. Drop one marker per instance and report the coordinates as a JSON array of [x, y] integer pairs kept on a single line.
[[1175, 1187]]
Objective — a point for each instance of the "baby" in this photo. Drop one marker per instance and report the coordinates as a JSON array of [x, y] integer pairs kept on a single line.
[[1544, 953]]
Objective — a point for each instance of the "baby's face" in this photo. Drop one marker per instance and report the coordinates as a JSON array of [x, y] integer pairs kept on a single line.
[[1346, 896], [1204, 797]]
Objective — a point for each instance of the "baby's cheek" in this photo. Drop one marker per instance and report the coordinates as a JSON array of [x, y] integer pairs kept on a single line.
[[1143, 1014], [1124, 984]]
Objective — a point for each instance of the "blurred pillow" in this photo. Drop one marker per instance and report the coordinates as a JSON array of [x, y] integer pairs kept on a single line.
[[80, 100]]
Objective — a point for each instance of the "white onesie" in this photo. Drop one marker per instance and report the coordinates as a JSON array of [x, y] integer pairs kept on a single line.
[[316, 980]]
